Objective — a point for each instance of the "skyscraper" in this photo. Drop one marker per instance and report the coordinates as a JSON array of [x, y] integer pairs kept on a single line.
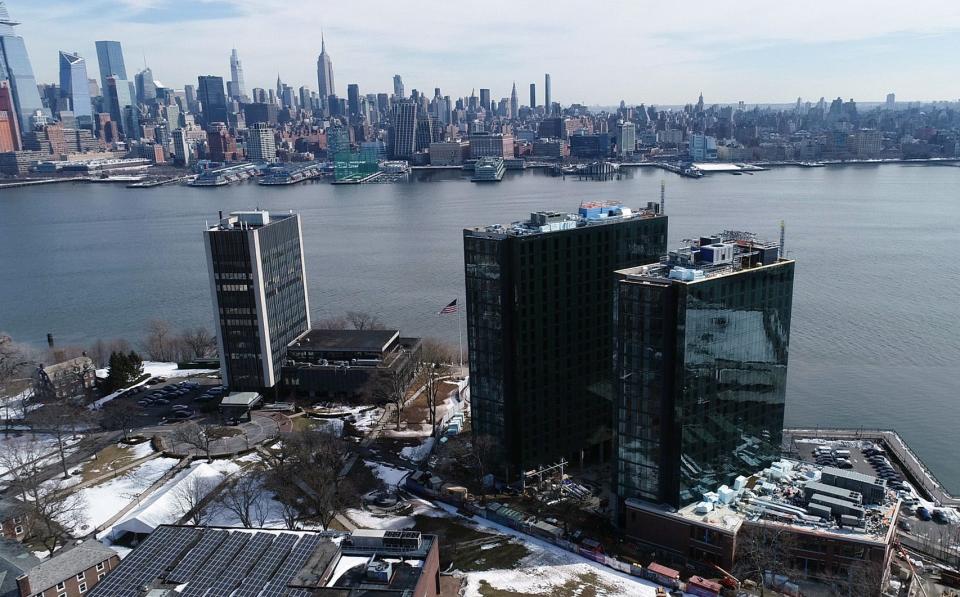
[[701, 343], [239, 90], [398, 87], [353, 100], [181, 148], [325, 84], [533, 96], [110, 59], [213, 100], [403, 138], [15, 68], [547, 103], [75, 87], [259, 288], [146, 86], [626, 138], [485, 99], [539, 328], [10, 131], [123, 109], [514, 102], [261, 145], [891, 101]]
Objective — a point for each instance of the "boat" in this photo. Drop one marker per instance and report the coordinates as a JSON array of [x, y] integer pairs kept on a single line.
[[488, 170]]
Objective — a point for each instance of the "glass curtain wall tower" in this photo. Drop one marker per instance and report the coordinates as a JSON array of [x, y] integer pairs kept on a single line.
[[15, 67]]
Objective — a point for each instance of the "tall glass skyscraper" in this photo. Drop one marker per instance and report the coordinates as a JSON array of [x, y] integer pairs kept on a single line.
[[700, 351], [539, 328], [123, 108], [213, 100], [110, 59], [15, 67], [75, 86]]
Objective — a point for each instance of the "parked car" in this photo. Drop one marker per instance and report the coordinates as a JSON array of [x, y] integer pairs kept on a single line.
[[161, 401], [181, 414], [904, 525], [940, 516], [144, 403], [923, 513], [844, 463]]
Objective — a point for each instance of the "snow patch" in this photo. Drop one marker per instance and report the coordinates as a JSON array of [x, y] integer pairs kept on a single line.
[[389, 475], [418, 453]]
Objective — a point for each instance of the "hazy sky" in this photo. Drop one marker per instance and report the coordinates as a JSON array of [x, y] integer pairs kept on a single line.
[[597, 52]]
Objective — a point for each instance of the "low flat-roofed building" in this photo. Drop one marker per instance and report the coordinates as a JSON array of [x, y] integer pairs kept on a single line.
[[347, 363], [239, 404], [178, 560], [72, 571], [818, 540]]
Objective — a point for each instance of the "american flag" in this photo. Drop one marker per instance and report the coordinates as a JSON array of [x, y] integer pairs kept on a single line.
[[451, 308]]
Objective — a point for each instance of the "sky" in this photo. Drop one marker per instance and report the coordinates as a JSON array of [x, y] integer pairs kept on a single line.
[[598, 53]]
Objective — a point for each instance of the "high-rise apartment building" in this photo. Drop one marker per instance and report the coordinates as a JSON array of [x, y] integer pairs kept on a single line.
[[213, 100], [539, 328], [325, 84], [548, 106], [353, 100], [626, 138], [110, 60], [238, 90], [701, 341], [75, 88], [258, 283], [15, 67], [261, 144], [403, 138], [181, 148]]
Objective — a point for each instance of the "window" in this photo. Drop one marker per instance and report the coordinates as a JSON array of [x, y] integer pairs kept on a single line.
[[100, 577], [81, 576], [62, 585], [101, 566], [18, 530], [83, 587]]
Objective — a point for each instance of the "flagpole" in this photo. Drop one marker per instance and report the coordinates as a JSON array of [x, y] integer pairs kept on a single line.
[[460, 338]]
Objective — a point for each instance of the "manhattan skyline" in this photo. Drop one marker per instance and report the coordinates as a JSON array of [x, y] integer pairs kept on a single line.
[[644, 55]]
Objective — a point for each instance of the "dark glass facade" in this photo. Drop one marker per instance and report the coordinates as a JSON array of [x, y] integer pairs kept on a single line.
[[213, 99], [257, 279], [539, 333], [701, 375]]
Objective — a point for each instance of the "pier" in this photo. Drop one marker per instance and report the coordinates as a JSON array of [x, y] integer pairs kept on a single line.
[[916, 471], [30, 183]]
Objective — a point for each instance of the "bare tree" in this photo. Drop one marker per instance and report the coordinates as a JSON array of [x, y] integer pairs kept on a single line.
[[14, 359], [391, 387], [762, 549], [333, 323], [47, 509], [62, 420], [160, 343], [311, 462], [190, 496], [195, 436], [361, 320], [243, 497], [486, 451], [433, 367], [119, 415], [199, 342]]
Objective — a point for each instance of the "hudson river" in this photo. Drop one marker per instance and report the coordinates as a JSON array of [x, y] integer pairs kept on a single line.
[[876, 321]]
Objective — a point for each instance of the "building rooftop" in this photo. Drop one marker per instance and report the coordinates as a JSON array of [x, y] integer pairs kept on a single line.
[[779, 495], [249, 562], [240, 399], [590, 213], [15, 559], [246, 220], [70, 561], [728, 252], [346, 340]]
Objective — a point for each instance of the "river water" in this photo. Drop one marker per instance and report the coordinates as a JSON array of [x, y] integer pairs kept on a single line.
[[875, 336]]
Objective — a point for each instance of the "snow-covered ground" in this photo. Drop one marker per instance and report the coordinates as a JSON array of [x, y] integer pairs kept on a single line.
[[365, 519], [36, 445], [418, 453], [391, 476], [105, 500], [266, 510]]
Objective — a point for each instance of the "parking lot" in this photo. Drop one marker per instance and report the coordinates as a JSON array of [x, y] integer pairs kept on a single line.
[[167, 401]]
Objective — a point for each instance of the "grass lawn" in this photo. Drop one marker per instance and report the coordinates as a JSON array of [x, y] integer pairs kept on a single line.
[[587, 584], [469, 549], [106, 460]]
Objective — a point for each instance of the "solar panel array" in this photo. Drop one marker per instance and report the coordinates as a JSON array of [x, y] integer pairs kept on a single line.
[[163, 547], [298, 557], [266, 566], [210, 572], [197, 556], [236, 572]]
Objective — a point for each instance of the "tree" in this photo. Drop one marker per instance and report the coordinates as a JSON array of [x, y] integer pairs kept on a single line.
[[100, 351], [62, 420], [119, 415], [763, 548], [243, 497], [486, 452], [48, 509], [392, 388], [194, 435], [333, 323], [432, 368], [160, 343], [311, 461], [199, 342], [14, 358], [123, 370], [361, 320], [190, 496]]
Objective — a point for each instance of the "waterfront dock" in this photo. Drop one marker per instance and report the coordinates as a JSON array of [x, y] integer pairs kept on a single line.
[[30, 183], [916, 471]]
